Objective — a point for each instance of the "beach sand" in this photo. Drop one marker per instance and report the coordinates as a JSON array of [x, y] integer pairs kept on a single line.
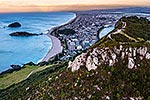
[[56, 43], [56, 48]]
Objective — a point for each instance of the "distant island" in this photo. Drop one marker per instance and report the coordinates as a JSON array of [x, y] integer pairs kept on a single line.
[[23, 34], [113, 67], [14, 25]]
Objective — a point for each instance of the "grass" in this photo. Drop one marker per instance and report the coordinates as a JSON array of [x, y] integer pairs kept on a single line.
[[15, 77], [9, 79], [41, 68], [39, 78], [131, 38]]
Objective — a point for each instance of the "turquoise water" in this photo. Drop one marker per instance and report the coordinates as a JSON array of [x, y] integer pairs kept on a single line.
[[20, 50]]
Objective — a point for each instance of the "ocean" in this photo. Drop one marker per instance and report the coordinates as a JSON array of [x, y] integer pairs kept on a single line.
[[21, 50]]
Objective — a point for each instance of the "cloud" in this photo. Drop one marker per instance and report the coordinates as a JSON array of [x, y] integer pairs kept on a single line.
[[49, 5]]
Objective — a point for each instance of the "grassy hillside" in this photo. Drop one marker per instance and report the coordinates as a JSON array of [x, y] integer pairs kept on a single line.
[[35, 82], [15, 77], [136, 28], [106, 82]]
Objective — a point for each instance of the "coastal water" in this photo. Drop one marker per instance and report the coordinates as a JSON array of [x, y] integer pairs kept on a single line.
[[105, 31], [20, 50]]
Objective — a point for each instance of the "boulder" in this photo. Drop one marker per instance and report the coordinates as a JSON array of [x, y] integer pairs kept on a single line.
[[16, 67], [22, 34], [15, 24], [30, 64]]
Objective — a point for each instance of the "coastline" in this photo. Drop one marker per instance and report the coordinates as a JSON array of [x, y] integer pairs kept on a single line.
[[56, 43], [53, 29], [55, 49]]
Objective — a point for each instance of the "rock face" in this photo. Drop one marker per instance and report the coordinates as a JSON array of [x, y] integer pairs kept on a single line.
[[15, 24], [125, 33], [106, 56], [22, 34]]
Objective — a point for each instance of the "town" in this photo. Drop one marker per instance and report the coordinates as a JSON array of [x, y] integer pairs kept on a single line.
[[83, 31]]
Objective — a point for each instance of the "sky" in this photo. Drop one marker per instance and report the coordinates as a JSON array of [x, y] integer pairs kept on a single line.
[[52, 5]]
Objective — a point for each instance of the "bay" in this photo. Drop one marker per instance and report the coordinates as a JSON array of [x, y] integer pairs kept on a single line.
[[20, 50]]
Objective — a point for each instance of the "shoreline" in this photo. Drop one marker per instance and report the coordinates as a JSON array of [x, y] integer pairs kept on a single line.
[[54, 50], [53, 29], [56, 43]]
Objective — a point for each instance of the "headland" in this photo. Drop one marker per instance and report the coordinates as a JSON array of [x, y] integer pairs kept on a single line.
[[83, 31]]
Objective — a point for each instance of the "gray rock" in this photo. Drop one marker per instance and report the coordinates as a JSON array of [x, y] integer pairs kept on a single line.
[[16, 67], [15, 24], [22, 34]]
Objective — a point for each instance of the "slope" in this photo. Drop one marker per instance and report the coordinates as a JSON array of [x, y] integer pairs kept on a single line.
[[117, 67]]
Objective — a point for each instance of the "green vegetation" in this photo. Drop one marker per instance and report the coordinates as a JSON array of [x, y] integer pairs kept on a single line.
[[15, 77], [65, 32], [60, 83], [122, 37], [136, 33], [35, 82], [117, 82], [135, 27]]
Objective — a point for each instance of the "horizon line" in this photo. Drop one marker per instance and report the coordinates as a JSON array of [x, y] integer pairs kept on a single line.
[[81, 7]]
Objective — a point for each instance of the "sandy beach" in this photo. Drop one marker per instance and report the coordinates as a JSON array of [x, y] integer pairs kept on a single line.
[[56, 48], [56, 43]]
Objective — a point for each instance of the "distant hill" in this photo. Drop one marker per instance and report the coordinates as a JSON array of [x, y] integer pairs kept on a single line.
[[117, 67], [131, 10], [123, 10], [132, 29]]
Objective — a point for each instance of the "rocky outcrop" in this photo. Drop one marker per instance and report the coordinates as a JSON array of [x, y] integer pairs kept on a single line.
[[122, 53], [106, 56], [30, 64], [16, 67], [79, 61], [22, 34], [15, 24]]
